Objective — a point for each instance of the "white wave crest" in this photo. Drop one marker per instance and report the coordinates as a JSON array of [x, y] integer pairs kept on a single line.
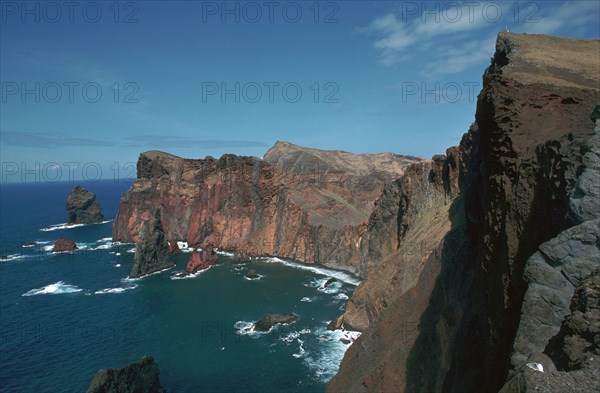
[[341, 296], [306, 299], [64, 225], [53, 289], [346, 277], [179, 275], [12, 257], [115, 290]]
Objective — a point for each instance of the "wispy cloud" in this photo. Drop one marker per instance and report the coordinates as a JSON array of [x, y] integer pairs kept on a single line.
[[49, 140], [159, 141], [471, 36], [45, 140]]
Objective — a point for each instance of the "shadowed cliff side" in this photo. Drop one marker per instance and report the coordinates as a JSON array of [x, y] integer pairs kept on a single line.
[[519, 163]]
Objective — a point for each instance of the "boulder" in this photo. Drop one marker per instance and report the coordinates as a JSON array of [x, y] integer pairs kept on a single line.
[[251, 274], [64, 245]]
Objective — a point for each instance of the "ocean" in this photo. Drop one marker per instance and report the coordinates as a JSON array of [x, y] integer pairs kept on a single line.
[[63, 316]]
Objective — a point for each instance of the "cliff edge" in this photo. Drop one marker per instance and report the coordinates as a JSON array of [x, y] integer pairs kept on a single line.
[[449, 319]]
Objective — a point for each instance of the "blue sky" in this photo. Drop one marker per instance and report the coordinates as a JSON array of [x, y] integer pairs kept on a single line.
[[87, 87]]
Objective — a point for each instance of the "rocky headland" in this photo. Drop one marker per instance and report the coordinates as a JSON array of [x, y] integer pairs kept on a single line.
[[305, 204], [82, 207]]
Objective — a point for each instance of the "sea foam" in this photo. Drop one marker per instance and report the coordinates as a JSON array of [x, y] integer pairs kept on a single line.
[[53, 289]]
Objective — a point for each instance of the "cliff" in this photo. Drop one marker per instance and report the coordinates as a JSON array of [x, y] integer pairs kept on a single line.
[[447, 319], [300, 203], [152, 251]]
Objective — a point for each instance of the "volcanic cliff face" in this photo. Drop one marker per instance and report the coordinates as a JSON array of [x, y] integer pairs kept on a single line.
[[152, 252], [300, 203], [447, 320]]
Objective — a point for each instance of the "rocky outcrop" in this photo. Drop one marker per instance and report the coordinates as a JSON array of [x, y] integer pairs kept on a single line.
[[138, 377], [575, 349], [152, 252], [251, 274], [267, 321], [305, 204], [578, 340], [62, 245], [201, 260], [447, 319], [82, 207]]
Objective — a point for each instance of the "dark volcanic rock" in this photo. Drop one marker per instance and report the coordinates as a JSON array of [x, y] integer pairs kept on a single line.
[[200, 260], [251, 274], [269, 320], [329, 282], [579, 336], [138, 377], [152, 249], [64, 245], [82, 207]]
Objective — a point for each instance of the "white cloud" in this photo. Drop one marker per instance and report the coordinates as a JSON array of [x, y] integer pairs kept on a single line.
[[470, 33]]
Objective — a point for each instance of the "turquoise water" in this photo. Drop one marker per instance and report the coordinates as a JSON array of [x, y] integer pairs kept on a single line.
[[64, 316]]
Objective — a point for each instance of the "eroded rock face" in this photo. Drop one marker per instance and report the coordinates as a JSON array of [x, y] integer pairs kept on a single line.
[[82, 207], [451, 327], [305, 204], [62, 245], [152, 252], [138, 377]]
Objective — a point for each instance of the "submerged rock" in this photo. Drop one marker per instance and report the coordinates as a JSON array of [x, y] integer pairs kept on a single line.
[[269, 320], [152, 249], [138, 377], [64, 245], [82, 207]]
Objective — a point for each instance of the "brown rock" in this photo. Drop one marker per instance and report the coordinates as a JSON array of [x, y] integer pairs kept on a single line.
[[64, 245], [200, 260], [174, 248]]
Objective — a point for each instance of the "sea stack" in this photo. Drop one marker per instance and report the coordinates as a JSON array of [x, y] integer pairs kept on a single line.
[[82, 207], [62, 245], [201, 260], [142, 376], [152, 252]]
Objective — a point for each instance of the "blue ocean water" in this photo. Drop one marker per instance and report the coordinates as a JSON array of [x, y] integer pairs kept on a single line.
[[64, 316]]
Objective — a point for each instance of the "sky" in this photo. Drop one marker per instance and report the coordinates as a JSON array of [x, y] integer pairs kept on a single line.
[[87, 86]]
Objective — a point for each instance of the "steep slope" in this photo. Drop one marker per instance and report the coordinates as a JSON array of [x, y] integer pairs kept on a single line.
[[312, 213], [452, 328]]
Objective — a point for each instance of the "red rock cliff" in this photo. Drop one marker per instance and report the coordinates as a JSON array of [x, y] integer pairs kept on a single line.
[[300, 203]]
